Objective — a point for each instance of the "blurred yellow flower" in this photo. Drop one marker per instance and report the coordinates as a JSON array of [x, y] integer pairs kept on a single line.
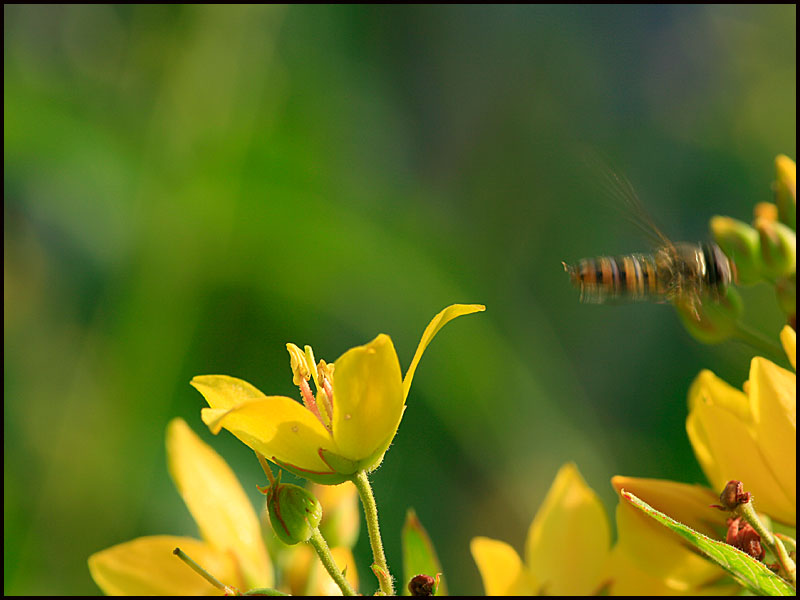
[[649, 556], [566, 551], [232, 548], [304, 574], [750, 436], [346, 429]]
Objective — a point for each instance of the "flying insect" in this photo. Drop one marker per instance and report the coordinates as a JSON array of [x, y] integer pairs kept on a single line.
[[686, 272]]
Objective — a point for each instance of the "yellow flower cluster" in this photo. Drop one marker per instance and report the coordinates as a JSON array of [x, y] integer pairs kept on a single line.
[[750, 436]]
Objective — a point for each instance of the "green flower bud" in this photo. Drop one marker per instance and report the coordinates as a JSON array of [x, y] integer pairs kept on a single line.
[[778, 248], [294, 512], [740, 243], [712, 322], [785, 187]]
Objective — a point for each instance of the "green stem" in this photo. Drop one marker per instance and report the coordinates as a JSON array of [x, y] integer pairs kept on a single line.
[[746, 511], [324, 553], [371, 513], [229, 591], [759, 342]]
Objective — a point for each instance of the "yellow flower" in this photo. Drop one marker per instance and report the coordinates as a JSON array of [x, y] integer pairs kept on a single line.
[[566, 551], [649, 556], [232, 548], [304, 574], [348, 426], [750, 436]]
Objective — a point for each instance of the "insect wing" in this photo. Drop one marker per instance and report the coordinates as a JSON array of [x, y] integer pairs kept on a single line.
[[621, 195]]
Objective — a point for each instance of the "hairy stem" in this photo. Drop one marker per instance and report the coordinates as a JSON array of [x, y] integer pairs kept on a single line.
[[371, 514]]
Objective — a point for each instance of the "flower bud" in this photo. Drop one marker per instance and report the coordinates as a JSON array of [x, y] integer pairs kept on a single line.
[[739, 242], [733, 495], [778, 248], [765, 210], [741, 535], [422, 585], [785, 187], [294, 512], [714, 321]]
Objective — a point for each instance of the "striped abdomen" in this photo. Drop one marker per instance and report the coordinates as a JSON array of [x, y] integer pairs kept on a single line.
[[631, 277], [682, 270]]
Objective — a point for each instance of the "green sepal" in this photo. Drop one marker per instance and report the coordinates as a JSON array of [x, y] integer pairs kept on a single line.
[[340, 464], [326, 478], [778, 248], [739, 241]]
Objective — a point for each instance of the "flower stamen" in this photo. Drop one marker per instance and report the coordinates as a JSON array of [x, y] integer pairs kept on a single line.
[[301, 374]]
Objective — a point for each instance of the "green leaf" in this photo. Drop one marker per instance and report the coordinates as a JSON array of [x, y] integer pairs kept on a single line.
[[753, 575], [419, 556]]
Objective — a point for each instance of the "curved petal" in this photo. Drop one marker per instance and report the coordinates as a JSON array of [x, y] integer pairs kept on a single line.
[[439, 321], [217, 502], [655, 549], [571, 528], [146, 566], [367, 398], [223, 391], [277, 427], [707, 388], [501, 568], [727, 449], [773, 393], [789, 341]]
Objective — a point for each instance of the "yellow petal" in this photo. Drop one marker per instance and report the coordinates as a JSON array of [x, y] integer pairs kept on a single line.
[[727, 449], [439, 321], [707, 388], [217, 502], [627, 579], [277, 427], [773, 393], [222, 391], [569, 539], [656, 549], [501, 568], [147, 567], [367, 399], [789, 341]]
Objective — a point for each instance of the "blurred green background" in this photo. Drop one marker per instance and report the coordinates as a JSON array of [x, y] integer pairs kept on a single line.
[[187, 188]]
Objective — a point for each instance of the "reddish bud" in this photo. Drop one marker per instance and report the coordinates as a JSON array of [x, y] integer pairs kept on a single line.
[[741, 535], [422, 585], [733, 495]]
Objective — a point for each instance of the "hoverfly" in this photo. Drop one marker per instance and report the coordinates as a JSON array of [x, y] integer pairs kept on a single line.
[[683, 272]]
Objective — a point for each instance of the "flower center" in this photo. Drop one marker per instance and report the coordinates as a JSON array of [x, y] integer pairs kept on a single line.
[[304, 368]]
